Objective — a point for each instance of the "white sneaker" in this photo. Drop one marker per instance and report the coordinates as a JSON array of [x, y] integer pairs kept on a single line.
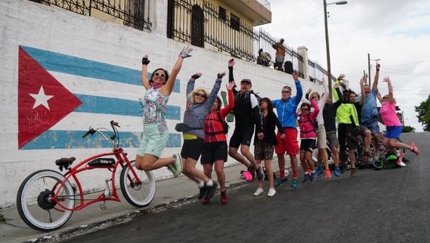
[[176, 167], [401, 163], [271, 193], [258, 192]]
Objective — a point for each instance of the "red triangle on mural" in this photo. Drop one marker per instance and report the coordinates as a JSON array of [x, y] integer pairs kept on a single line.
[[42, 100]]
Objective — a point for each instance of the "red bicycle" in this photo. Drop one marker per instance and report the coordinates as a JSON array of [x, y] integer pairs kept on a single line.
[[47, 199]]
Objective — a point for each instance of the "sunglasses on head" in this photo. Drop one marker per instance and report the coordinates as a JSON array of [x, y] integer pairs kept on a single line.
[[201, 95], [159, 74]]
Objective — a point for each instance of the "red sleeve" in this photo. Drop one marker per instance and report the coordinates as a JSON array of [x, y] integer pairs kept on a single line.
[[314, 114]]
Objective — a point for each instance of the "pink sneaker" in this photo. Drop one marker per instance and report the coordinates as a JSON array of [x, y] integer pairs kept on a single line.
[[327, 173], [247, 176], [415, 149]]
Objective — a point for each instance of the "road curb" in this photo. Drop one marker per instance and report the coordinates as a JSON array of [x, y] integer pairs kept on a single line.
[[120, 219]]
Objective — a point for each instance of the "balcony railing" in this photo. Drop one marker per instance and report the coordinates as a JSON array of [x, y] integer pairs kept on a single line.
[[133, 13]]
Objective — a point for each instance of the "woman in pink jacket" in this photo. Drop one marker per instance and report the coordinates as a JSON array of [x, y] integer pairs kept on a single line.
[[308, 137], [393, 125]]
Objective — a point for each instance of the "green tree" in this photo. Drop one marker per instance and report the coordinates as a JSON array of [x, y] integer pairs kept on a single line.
[[408, 129], [423, 116]]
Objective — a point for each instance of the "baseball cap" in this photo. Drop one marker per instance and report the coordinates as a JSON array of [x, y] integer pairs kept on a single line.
[[246, 80]]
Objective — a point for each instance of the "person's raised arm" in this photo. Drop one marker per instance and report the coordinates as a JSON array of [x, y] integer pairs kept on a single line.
[[191, 84], [316, 109], [324, 97], [375, 80], [338, 102], [299, 88], [228, 107], [363, 93], [390, 90], [170, 83], [231, 63], [212, 96], [305, 98], [144, 74]]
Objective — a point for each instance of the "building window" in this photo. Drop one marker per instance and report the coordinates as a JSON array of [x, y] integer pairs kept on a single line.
[[222, 13], [234, 22]]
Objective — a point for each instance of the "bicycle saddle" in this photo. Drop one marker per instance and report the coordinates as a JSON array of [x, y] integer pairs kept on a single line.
[[65, 162]]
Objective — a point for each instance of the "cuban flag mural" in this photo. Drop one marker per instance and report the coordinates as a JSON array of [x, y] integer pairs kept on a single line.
[[56, 91]]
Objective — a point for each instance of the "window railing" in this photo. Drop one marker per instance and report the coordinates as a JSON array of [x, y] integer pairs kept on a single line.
[[133, 13]]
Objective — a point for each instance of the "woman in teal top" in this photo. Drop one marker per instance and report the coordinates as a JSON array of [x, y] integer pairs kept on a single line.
[[155, 131]]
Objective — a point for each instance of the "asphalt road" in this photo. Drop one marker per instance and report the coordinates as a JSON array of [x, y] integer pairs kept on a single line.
[[374, 206]]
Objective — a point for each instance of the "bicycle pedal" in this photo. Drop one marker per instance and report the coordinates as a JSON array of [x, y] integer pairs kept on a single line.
[[103, 206]]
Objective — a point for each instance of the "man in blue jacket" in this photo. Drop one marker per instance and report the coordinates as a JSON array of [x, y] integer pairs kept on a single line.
[[286, 108]]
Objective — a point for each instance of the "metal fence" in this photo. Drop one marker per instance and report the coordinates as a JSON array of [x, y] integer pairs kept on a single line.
[[198, 23], [133, 13], [195, 22], [202, 24]]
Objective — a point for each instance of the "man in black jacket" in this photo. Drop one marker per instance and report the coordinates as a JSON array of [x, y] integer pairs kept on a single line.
[[247, 118]]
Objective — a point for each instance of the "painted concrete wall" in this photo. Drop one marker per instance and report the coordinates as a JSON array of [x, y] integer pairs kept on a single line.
[[63, 72]]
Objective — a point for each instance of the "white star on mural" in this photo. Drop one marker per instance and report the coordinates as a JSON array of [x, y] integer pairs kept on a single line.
[[41, 98]]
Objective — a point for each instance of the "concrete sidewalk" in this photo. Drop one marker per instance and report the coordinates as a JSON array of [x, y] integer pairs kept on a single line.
[[170, 193]]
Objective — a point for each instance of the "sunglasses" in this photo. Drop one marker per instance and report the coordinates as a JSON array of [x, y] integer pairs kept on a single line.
[[286, 91], [159, 74], [385, 97], [305, 109], [201, 95]]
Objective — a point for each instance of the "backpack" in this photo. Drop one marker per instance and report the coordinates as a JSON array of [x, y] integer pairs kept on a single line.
[[248, 98], [224, 125]]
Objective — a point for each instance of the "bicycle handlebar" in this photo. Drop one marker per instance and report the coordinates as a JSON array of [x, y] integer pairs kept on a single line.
[[91, 131], [114, 133], [114, 123]]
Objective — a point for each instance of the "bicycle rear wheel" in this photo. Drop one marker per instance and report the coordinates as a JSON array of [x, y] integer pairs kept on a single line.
[[34, 200], [138, 195]]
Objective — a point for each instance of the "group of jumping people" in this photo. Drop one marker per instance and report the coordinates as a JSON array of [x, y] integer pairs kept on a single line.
[[204, 128]]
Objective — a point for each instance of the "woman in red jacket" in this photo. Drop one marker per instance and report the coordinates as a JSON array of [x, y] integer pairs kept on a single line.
[[215, 148]]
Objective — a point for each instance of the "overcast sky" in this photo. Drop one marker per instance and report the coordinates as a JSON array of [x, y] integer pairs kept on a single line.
[[395, 31]]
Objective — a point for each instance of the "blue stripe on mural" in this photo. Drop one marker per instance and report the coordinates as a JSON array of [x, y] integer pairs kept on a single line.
[[61, 63], [114, 106], [61, 139]]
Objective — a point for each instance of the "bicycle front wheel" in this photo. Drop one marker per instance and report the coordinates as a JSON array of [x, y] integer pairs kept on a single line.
[[137, 194], [36, 204]]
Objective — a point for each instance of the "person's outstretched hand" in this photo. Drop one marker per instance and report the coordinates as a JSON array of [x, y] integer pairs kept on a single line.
[[231, 62], [378, 66], [145, 60], [296, 75], [196, 76], [186, 52], [221, 75], [387, 79], [230, 85], [341, 76]]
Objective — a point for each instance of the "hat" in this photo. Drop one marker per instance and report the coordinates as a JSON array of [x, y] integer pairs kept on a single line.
[[246, 80]]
